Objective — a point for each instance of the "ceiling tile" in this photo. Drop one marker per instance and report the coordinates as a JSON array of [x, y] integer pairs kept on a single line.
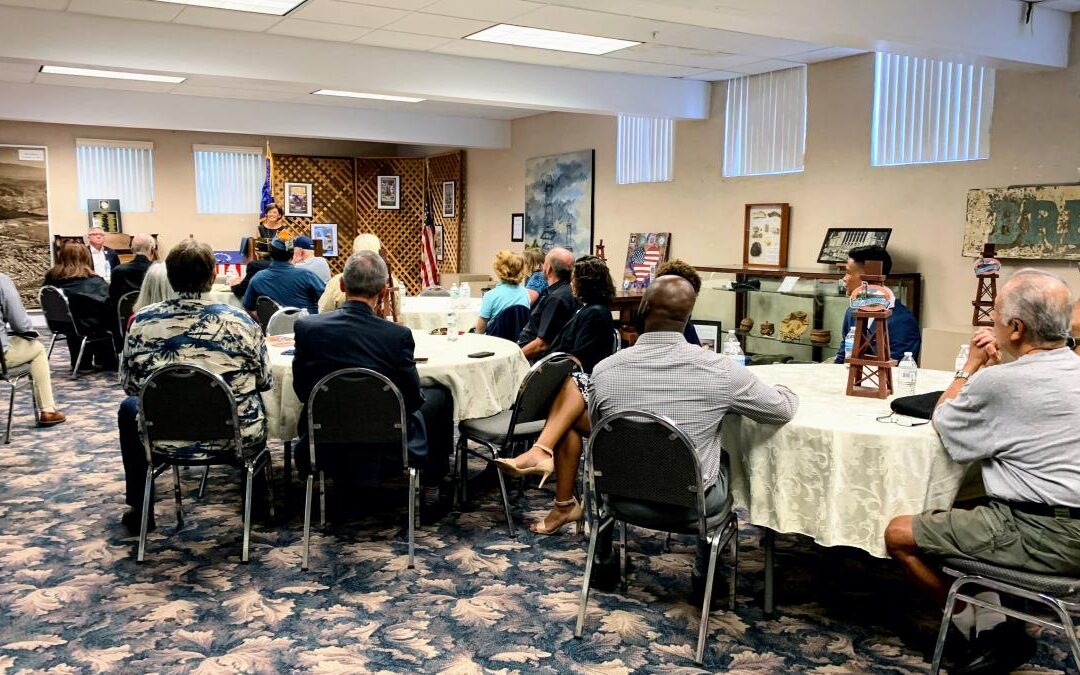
[[347, 13], [442, 26], [318, 30], [736, 43], [490, 50], [827, 54], [589, 62], [18, 72], [144, 10], [279, 87], [395, 40], [223, 18], [37, 4], [715, 76], [230, 92], [679, 56], [766, 66], [485, 10], [408, 5], [1063, 5], [599, 24]]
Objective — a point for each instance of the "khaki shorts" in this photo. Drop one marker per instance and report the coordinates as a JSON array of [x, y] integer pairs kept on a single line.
[[1000, 536]]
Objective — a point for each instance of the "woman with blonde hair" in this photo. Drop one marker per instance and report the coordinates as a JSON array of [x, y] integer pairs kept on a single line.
[[334, 295], [534, 270], [155, 287], [509, 269]]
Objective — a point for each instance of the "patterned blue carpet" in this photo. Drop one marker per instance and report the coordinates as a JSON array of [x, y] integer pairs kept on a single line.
[[74, 600]]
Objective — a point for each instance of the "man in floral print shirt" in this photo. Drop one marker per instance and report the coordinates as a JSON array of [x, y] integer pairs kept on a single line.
[[192, 330]]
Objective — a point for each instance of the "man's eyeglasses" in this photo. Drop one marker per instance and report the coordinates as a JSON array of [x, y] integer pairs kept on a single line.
[[902, 420]]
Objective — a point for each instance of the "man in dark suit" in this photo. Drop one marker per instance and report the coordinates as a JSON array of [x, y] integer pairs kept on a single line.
[[103, 258], [128, 276], [354, 336]]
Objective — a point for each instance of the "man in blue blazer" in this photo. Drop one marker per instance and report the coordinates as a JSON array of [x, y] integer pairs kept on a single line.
[[353, 336], [904, 333]]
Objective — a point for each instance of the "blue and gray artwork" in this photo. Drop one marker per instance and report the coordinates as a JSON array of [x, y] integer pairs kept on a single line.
[[558, 202]]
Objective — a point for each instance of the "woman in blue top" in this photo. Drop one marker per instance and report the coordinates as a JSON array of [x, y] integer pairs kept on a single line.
[[509, 267], [534, 268]]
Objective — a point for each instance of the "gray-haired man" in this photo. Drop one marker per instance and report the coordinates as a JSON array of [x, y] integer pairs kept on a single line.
[[1019, 420]]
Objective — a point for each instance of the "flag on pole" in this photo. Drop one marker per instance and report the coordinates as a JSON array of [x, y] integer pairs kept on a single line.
[[267, 191], [429, 268]]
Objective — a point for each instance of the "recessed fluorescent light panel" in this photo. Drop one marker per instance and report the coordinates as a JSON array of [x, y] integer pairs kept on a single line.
[[111, 74], [550, 39], [377, 97], [275, 7]]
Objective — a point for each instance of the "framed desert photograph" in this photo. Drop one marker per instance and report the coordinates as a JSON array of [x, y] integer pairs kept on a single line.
[[298, 200], [389, 190], [765, 237], [448, 199], [327, 233], [840, 240]]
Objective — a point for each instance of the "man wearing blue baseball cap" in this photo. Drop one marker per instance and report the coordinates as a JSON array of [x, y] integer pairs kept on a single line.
[[304, 257], [286, 285]]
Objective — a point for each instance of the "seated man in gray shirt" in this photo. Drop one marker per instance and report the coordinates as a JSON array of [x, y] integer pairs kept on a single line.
[[693, 387], [1019, 420]]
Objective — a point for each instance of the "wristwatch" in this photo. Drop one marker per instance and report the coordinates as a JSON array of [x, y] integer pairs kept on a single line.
[[961, 375]]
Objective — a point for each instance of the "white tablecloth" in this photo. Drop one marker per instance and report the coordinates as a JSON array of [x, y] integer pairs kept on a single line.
[[430, 312], [480, 387], [834, 473], [223, 294]]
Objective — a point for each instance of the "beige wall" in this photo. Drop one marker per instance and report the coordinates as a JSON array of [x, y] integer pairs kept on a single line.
[[1034, 139], [174, 216]]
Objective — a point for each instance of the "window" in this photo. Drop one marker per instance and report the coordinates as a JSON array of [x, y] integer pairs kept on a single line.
[[228, 180], [765, 123], [645, 150], [121, 170], [930, 111]]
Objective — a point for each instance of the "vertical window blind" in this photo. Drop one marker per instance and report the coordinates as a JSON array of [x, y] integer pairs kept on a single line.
[[644, 150], [121, 170], [927, 110], [228, 180], [765, 123]]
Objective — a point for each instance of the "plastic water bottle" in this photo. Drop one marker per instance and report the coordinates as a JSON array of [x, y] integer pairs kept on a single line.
[[455, 293], [451, 325], [732, 350], [466, 293], [402, 291], [230, 274], [908, 372], [849, 342], [962, 357]]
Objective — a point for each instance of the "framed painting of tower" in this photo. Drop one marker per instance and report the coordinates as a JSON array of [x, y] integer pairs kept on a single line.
[[559, 202]]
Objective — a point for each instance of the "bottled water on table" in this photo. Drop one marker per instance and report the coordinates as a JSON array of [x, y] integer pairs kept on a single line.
[[849, 342], [962, 357], [455, 293], [230, 275], [464, 294], [451, 325], [732, 350], [908, 372]]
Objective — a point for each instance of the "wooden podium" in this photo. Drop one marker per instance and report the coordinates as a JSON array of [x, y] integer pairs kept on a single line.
[[870, 375]]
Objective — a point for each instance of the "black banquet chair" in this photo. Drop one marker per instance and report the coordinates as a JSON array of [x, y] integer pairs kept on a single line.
[[125, 307], [522, 422], [333, 419], [642, 470], [188, 417], [265, 308], [508, 323], [61, 322], [15, 377]]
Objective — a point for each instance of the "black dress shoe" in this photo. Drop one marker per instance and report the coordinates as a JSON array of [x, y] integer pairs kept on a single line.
[[719, 591], [605, 575], [999, 650], [433, 506], [132, 520]]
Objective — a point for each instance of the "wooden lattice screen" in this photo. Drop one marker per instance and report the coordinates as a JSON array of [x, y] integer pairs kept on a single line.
[[397, 229], [441, 169], [333, 186]]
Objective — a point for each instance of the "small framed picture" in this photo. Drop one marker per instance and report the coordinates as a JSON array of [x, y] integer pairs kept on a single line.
[[840, 240], [765, 239], [298, 200], [517, 227], [389, 192], [709, 333], [440, 244], [449, 205], [327, 234]]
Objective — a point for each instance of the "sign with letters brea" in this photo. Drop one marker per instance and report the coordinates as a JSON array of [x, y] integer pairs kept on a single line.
[[1029, 222]]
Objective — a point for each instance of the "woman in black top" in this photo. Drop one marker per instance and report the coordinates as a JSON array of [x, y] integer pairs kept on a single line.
[[88, 296], [590, 337]]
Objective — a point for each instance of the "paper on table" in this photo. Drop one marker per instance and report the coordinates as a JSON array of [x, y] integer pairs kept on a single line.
[[788, 285]]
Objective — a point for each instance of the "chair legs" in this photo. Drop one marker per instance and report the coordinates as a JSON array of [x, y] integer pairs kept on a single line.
[[322, 499], [146, 506], [176, 493], [10, 413], [622, 555], [202, 483], [1070, 631], [51, 343], [248, 476], [78, 360], [308, 497], [603, 525], [414, 485], [710, 577]]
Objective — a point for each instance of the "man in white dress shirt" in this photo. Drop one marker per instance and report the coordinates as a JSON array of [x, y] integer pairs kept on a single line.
[[105, 259]]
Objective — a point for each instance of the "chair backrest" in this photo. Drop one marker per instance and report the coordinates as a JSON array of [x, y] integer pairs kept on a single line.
[[281, 322], [638, 455], [125, 307], [434, 292], [333, 416], [186, 403], [539, 388], [264, 309], [508, 323], [57, 311], [618, 342]]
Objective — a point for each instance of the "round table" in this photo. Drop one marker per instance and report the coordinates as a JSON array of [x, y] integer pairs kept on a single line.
[[480, 387], [426, 313], [834, 472], [223, 293]]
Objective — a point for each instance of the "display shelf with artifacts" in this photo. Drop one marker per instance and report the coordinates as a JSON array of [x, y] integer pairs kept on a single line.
[[811, 301]]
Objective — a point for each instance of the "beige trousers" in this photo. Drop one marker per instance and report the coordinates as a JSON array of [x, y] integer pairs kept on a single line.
[[33, 352]]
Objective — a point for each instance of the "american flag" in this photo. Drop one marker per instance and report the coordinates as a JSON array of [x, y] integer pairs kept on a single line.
[[227, 260], [642, 261], [429, 268]]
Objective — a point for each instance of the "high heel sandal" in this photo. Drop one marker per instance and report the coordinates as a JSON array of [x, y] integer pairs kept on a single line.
[[545, 468], [576, 515]]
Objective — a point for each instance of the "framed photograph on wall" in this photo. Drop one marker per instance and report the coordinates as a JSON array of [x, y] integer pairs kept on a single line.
[[327, 233], [709, 333], [448, 199], [765, 235], [298, 200], [517, 227], [440, 245], [389, 191], [840, 240]]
